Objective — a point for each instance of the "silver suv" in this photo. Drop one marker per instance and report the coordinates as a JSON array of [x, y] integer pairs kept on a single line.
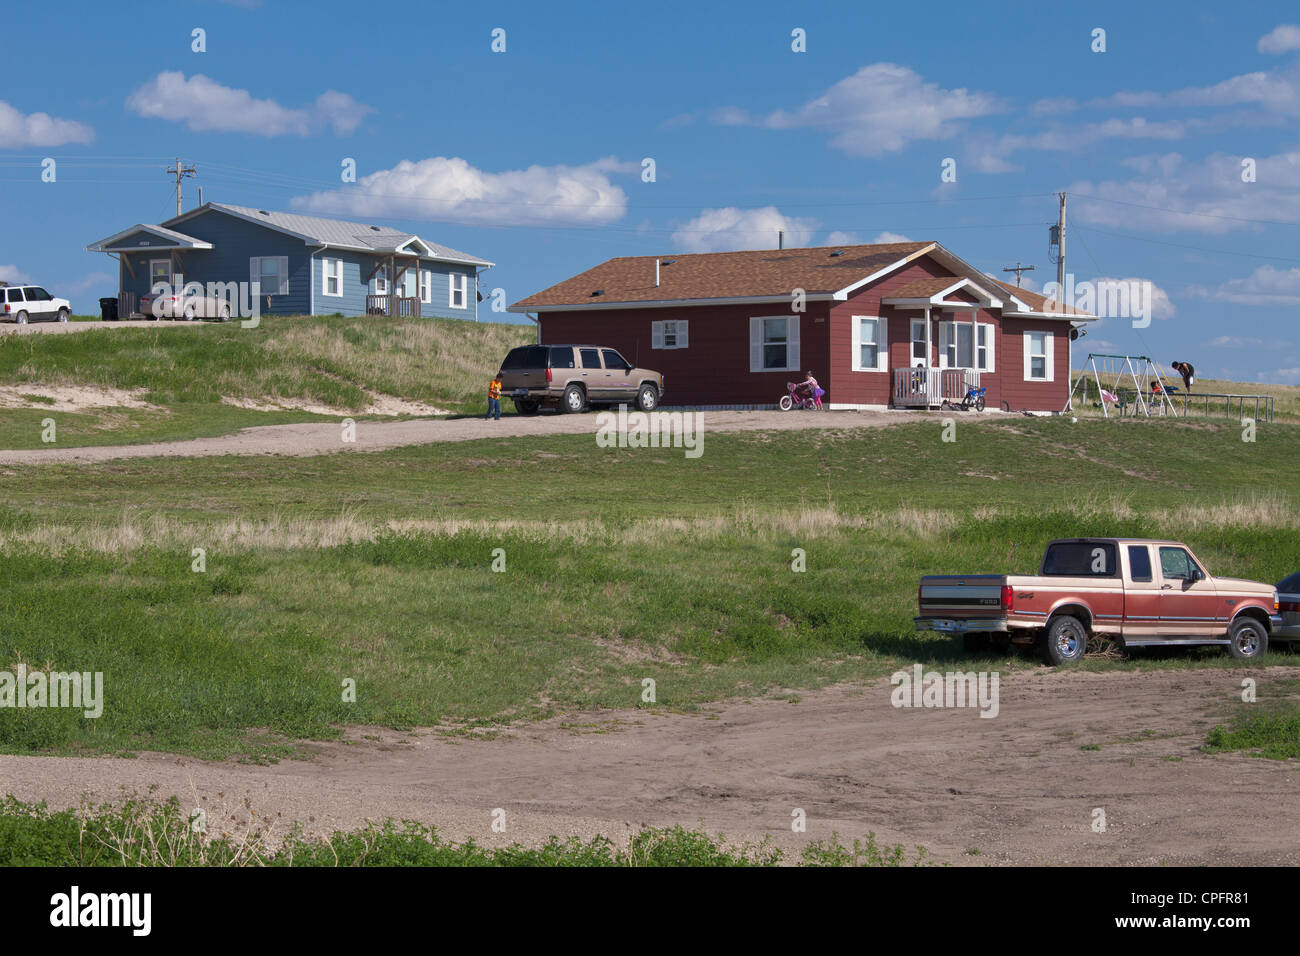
[[574, 377]]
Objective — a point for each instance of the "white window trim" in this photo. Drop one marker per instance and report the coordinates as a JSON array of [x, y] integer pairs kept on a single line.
[[882, 343], [1048, 356], [426, 286], [331, 269], [913, 341], [281, 270], [792, 356], [947, 328], [452, 290], [381, 281], [152, 280], [659, 333]]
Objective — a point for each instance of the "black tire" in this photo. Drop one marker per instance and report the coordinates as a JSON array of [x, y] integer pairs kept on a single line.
[[573, 400], [647, 398], [63, 315], [979, 404], [1248, 639], [1065, 641], [975, 643], [21, 318], [526, 406]]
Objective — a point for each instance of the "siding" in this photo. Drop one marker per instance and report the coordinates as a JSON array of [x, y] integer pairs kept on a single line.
[[714, 368], [357, 266]]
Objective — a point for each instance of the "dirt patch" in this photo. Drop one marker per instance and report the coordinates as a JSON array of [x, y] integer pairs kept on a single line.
[[322, 438], [72, 398], [1016, 789], [378, 404]]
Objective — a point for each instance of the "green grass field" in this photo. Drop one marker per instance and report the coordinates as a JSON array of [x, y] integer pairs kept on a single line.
[[187, 376], [619, 565]]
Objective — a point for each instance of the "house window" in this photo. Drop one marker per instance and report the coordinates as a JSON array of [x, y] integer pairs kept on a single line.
[[773, 343], [160, 273], [870, 350], [459, 284], [272, 272], [958, 350], [920, 354], [668, 334], [332, 277], [381, 281], [1038, 357], [426, 285]]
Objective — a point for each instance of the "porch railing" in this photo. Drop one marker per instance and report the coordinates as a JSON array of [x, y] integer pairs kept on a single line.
[[405, 307], [924, 387]]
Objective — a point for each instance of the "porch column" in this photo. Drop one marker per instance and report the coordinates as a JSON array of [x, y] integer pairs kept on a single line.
[[975, 339], [928, 351]]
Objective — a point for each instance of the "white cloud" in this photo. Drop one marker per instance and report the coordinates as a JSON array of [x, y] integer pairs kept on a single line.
[[890, 237], [724, 230], [878, 110], [1245, 342], [1207, 196], [1267, 285], [204, 105], [1281, 39], [1276, 91], [838, 237], [1288, 376], [11, 275], [1161, 306], [39, 129], [87, 281], [450, 189]]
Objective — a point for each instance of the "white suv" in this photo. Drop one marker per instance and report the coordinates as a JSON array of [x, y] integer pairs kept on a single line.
[[24, 303]]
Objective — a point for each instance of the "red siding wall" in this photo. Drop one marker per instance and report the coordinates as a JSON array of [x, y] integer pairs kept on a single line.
[[714, 369]]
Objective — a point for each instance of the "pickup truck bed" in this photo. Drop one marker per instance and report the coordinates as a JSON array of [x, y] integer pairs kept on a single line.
[[1142, 592]]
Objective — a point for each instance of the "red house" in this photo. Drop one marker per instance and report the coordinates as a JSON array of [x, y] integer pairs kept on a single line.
[[895, 325]]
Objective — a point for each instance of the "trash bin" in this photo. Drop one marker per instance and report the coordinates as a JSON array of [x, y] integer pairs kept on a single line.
[[108, 309]]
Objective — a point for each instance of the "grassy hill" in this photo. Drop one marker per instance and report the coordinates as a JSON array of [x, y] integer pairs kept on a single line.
[[212, 378]]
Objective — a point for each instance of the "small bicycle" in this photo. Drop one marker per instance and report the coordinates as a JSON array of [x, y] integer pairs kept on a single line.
[[974, 398]]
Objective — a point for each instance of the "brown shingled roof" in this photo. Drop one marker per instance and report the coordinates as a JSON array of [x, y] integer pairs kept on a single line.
[[1040, 303], [924, 288], [723, 275]]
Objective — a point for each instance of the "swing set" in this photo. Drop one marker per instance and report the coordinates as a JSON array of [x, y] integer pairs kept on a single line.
[[1124, 379]]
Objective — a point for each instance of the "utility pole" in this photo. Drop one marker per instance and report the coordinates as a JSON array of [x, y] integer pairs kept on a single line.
[[1018, 268], [179, 172], [1060, 241]]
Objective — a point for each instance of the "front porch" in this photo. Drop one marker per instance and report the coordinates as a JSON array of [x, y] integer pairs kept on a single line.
[[931, 387], [395, 306]]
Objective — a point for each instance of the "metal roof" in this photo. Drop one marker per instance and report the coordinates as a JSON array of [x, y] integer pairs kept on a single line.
[[336, 233]]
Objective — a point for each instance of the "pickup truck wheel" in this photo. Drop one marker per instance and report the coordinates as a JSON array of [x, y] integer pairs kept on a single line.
[[525, 406], [1065, 641], [974, 643], [1247, 639], [573, 400], [647, 397]]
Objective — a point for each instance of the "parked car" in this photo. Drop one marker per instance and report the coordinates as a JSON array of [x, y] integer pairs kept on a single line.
[[574, 377], [189, 307], [1288, 595], [31, 303], [1144, 592]]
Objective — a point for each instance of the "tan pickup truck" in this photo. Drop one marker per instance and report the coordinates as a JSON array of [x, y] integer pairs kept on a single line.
[[1141, 591]]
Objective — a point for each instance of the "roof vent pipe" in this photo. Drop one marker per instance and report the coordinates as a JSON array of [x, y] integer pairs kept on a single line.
[[780, 238]]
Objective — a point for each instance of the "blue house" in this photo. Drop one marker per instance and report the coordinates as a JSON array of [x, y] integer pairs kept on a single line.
[[305, 265]]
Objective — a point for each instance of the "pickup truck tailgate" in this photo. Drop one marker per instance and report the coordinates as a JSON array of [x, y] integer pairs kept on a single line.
[[961, 595]]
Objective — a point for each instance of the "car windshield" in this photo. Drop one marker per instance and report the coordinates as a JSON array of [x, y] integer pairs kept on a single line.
[[1290, 585], [1080, 559]]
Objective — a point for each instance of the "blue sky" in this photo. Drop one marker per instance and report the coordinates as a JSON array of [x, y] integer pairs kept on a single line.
[[532, 157]]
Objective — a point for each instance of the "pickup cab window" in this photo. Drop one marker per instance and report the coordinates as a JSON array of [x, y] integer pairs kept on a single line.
[[1080, 559], [1139, 562], [1177, 564]]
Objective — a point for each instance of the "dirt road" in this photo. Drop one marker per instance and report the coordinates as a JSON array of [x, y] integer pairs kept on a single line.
[[1016, 789], [323, 438]]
